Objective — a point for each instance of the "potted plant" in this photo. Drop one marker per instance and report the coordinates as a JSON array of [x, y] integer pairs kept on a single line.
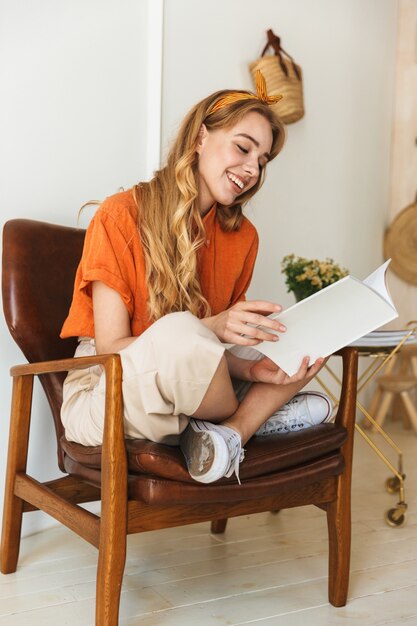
[[307, 276]]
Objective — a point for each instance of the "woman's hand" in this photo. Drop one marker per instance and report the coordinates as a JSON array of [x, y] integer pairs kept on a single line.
[[266, 371], [241, 323]]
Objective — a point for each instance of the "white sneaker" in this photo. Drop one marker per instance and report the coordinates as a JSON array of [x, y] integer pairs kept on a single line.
[[302, 411], [211, 451]]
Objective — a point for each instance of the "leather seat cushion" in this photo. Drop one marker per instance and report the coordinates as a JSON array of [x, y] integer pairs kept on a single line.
[[162, 491], [263, 455], [156, 490]]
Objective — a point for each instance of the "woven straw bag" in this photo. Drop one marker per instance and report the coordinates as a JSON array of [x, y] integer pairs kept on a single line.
[[282, 75], [400, 244]]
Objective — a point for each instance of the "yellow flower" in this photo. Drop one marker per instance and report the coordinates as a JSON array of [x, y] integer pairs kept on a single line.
[[306, 276]]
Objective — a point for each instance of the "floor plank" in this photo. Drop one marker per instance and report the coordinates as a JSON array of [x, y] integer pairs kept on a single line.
[[266, 569]]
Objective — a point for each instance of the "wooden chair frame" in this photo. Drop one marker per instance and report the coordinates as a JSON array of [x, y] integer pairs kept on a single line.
[[122, 515]]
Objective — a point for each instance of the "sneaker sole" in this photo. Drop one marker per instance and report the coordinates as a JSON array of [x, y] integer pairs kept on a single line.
[[194, 439]]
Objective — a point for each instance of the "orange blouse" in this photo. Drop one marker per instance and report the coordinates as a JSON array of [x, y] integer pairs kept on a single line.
[[113, 254]]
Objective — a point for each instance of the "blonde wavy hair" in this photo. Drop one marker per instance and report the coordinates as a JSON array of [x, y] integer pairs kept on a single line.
[[169, 222]]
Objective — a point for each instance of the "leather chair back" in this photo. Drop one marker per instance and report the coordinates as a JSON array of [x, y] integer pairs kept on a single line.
[[38, 271]]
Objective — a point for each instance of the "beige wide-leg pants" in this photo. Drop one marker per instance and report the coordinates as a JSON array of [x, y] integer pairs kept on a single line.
[[166, 373]]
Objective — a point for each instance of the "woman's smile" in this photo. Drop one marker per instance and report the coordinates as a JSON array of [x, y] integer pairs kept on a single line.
[[237, 182], [231, 159]]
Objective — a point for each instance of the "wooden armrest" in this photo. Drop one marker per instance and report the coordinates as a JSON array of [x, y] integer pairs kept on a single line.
[[113, 449], [346, 413], [344, 350], [63, 365]]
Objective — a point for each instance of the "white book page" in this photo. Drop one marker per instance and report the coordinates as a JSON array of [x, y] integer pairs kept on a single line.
[[377, 282], [329, 320]]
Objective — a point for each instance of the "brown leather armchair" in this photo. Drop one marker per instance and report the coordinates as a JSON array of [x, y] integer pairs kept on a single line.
[[142, 485]]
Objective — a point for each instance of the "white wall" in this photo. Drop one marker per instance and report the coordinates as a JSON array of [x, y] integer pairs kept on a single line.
[[328, 191], [73, 127], [75, 123]]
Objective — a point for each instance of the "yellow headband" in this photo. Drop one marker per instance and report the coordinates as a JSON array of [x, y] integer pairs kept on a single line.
[[235, 96]]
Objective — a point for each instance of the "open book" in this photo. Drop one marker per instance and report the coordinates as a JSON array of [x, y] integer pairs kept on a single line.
[[330, 319]]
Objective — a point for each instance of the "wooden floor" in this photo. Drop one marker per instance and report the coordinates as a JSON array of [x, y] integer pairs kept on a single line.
[[267, 569]]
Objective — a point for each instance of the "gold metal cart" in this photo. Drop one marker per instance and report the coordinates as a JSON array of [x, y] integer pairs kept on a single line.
[[381, 356]]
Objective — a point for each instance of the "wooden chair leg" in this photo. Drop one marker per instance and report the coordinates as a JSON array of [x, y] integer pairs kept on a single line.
[[397, 409], [114, 504], [339, 518], [218, 526], [111, 558], [11, 534], [387, 398], [111, 565], [16, 462], [339, 527], [410, 409], [373, 407], [406, 421]]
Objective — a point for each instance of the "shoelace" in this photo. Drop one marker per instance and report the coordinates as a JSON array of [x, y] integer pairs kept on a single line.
[[237, 454], [285, 419], [292, 419]]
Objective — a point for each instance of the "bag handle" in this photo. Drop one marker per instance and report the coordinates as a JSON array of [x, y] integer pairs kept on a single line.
[[275, 43]]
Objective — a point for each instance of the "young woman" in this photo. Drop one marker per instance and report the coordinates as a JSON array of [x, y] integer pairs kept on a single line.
[[162, 281]]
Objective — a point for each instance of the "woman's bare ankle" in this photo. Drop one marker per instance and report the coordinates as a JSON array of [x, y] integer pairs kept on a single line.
[[234, 424]]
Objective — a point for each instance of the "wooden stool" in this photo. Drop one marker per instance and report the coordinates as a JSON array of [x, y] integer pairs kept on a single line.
[[394, 387]]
